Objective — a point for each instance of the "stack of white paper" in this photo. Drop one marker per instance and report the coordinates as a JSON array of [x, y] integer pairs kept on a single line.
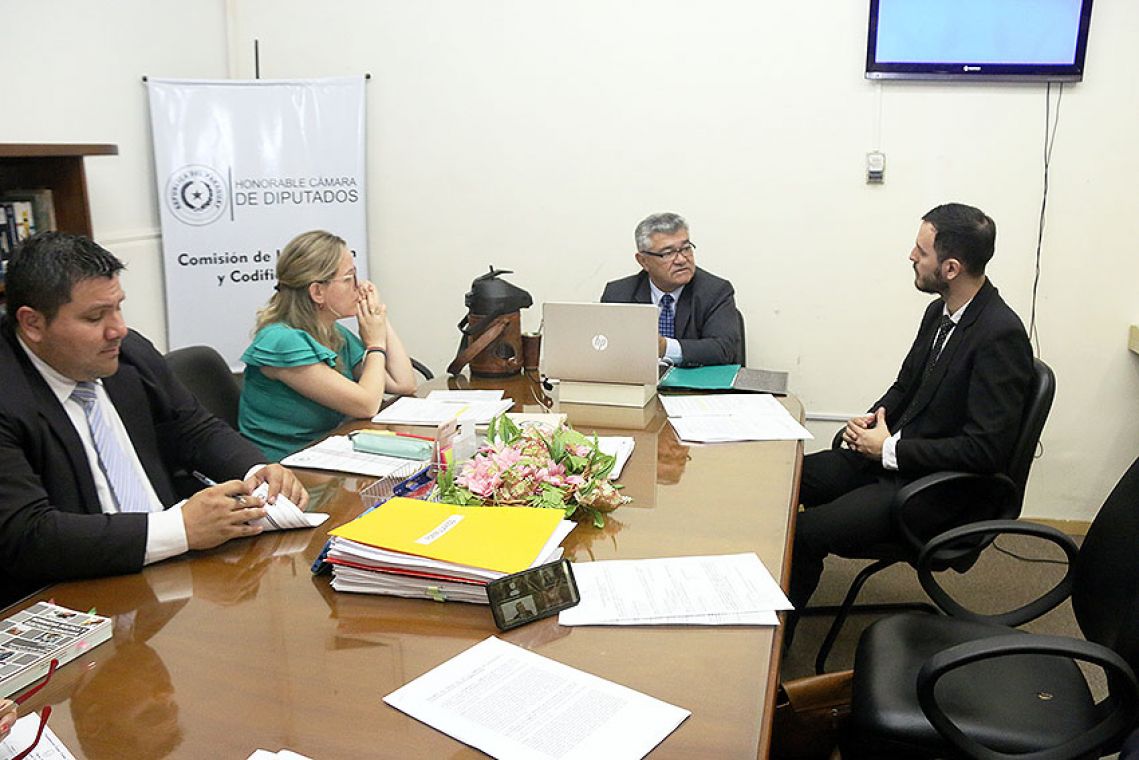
[[422, 411], [336, 453], [364, 569], [719, 417], [516, 705], [731, 589]]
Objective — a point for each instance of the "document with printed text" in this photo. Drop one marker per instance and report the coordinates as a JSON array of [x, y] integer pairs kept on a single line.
[[719, 417], [421, 411], [514, 704], [22, 735], [336, 453], [731, 589]]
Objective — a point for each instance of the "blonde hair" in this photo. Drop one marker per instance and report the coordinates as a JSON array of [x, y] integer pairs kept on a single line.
[[310, 257]]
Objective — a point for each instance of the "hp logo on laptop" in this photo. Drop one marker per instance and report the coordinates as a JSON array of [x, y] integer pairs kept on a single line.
[[599, 343]]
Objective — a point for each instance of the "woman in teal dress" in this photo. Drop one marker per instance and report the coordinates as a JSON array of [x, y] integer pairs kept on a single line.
[[304, 372]]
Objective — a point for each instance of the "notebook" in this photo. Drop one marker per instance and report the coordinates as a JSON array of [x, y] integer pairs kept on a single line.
[[600, 342]]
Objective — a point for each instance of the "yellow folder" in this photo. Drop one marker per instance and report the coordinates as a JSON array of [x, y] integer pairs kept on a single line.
[[506, 539]]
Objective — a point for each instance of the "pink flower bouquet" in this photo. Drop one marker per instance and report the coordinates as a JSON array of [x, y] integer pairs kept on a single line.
[[527, 467]]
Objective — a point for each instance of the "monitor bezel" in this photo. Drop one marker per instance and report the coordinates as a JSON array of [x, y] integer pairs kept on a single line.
[[969, 71]]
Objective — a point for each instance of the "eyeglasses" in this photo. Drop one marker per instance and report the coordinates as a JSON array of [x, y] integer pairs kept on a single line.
[[350, 277], [45, 713], [670, 254]]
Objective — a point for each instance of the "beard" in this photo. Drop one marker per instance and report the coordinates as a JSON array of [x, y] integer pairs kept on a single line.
[[932, 283]]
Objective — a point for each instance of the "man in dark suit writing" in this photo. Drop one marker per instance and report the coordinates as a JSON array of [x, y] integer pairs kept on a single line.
[[956, 404], [699, 323], [92, 428]]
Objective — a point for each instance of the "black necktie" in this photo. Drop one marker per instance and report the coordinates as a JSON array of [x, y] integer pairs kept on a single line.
[[943, 328]]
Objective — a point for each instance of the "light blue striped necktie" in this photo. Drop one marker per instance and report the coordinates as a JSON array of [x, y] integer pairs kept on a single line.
[[130, 494]]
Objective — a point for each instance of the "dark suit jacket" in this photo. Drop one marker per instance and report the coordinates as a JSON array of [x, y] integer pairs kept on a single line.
[[969, 411], [51, 527], [707, 321]]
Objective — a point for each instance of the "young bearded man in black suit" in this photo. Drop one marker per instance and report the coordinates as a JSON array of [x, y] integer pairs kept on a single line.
[[92, 428], [956, 405], [699, 324]]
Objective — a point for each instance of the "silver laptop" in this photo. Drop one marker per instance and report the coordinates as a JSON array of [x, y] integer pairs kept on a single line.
[[600, 342]]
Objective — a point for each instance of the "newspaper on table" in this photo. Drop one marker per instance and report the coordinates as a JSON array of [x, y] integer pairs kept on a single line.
[[32, 638]]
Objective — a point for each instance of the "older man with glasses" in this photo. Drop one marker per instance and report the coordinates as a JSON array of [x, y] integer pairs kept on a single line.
[[699, 322]]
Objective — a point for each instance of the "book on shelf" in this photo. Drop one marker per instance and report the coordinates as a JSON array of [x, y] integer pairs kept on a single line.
[[32, 638], [5, 241], [39, 205]]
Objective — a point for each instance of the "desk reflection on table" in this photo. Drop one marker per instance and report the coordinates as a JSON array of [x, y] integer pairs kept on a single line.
[[219, 653]]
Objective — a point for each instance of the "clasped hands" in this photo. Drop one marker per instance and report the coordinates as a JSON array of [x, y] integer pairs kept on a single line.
[[216, 514], [865, 435], [371, 315]]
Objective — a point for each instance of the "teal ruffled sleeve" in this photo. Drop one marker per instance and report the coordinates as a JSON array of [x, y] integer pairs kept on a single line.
[[278, 345]]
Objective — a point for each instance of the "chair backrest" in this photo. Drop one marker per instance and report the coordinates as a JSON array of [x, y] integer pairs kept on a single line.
[[743, 339], [205, 373], [1036, 407], [1105, 583]]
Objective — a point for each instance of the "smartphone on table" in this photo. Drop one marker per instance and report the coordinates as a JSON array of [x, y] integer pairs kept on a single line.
[[532, 594]]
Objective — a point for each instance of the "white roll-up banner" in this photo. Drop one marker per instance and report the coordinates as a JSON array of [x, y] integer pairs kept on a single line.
[[242, 167]]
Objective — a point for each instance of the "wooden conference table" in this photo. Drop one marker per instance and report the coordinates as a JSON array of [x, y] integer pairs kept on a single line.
[[223, 652]]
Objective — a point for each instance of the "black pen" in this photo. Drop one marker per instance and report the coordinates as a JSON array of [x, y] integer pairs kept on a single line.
[[205, 480], [208, 481]]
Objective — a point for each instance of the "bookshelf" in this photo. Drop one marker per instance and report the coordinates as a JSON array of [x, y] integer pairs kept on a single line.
[[58, 166]]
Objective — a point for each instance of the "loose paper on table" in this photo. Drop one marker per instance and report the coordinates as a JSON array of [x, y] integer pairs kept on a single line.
[[517, 705], [22, 735], [723, 417], [464, 396], [730, 589], [421, 411], [336, 453]]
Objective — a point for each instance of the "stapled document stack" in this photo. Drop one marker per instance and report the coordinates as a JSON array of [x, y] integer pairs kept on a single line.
[[32, 638], [420, 549]]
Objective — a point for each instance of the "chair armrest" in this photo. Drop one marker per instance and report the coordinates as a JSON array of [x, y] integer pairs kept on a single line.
[[991, 529], [1123, 698], [971, 495], [422, 369]]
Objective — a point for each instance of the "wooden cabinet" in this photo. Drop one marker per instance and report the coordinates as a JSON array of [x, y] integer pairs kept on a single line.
[[58, 167]]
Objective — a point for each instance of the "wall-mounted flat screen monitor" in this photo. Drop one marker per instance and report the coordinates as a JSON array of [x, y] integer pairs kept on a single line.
[[994, 40]]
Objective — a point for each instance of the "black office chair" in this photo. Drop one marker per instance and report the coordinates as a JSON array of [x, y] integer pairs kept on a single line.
[[968, 685], [422, 369], [743, 339], [205, 373], [974, 497]]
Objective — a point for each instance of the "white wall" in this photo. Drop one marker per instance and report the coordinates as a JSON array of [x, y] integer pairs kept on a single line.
[[534, 136], [85, 63]]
